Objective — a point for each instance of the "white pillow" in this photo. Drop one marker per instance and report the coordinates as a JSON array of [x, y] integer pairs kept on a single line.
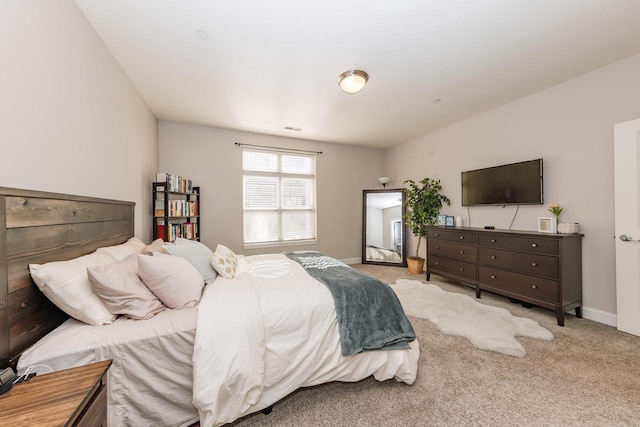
[[172, 279], [224, 261], [67, 285], [122, 291], [197, 254], [120, 252]]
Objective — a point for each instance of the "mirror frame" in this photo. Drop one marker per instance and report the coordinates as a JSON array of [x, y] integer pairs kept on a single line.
[[364, 227]]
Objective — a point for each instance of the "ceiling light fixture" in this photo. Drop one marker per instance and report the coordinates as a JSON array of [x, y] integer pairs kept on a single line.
[[202, 35], [352, 81]]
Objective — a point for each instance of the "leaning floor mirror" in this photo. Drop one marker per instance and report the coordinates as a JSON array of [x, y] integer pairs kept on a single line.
[[383, 228]]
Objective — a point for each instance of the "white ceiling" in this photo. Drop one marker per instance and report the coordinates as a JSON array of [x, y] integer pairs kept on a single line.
[[271, 64]]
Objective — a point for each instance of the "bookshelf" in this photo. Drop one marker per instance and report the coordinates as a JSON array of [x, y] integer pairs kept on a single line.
[[176, 208]]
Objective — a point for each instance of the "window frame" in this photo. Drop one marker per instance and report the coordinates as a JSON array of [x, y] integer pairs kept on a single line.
[[280, 210]]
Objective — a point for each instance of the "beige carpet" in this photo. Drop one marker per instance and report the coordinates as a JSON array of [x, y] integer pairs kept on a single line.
[[589, 375], [486, 326]]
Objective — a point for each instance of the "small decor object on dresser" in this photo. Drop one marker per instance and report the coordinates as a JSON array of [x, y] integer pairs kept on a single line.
[[547, 225], [450, 221], [176, 208], [556, 210], [442, 220], [569, 228]]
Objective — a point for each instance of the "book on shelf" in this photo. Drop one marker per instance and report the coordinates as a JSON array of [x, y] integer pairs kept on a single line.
[[158, 207], [175, 183], [186, 230]]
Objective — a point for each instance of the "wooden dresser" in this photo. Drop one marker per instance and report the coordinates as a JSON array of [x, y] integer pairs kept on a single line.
[[73, 397], [537, 268]]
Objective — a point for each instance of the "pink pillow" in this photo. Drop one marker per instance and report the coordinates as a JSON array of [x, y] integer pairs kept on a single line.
[[172, 279], [122, 291]]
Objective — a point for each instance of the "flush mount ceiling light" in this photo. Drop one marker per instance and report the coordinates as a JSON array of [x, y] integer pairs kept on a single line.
[[352, 81]]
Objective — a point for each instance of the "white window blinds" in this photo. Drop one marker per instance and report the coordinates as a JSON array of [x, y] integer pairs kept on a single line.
[[279, 202]]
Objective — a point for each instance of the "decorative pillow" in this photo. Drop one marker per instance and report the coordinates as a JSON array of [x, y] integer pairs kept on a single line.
[[122, 291], [224, 261], [197, 254], [67, 285], [120, 252], [172, 279], [155, 246]]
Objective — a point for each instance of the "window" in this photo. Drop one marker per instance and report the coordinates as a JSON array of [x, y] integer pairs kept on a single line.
[[279, 201]]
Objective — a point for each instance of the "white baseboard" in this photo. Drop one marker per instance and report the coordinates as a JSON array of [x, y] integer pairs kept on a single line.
[[600, 316], [349, 261]]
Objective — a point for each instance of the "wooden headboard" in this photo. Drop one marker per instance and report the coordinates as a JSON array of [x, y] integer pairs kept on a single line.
[[38, 227]]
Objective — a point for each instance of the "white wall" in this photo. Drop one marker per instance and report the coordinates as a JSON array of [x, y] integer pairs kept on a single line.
[[209, 157], [571, 127], [71, 121]]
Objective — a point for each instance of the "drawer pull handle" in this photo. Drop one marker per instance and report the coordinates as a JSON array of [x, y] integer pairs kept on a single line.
[[462, 252], [437, 234], [437, 247], [23, 305], [534, 287], [493, 240], [462, 269], [437, 263], [534, 264], [534, 245], [493, 277], [493, 257], [461, 237]]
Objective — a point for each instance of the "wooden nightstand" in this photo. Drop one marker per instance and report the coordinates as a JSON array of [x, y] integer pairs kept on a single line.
[[73, 397]]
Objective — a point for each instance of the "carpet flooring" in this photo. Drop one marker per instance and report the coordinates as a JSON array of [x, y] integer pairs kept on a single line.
[[589, 375]]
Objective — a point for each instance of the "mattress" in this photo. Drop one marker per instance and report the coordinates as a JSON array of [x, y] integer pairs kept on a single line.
[[151, 379]]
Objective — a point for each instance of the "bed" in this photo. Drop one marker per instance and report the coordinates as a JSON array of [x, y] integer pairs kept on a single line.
[[376, 253], [214, 362]]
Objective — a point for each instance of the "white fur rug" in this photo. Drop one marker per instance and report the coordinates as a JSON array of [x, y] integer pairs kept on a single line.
[[487, 327]]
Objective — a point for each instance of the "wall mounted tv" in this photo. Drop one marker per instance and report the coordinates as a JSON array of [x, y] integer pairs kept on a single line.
[[513, 184]]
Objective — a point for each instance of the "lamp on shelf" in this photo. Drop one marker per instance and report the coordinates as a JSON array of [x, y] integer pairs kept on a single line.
[[352, 81], [384, 180]]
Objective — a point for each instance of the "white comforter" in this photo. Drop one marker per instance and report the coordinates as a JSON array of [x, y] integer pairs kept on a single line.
[[269, 331], [260, 336]]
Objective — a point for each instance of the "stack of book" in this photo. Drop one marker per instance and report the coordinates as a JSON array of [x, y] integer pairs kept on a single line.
[[177, 208], [175, 183], [187, 230]]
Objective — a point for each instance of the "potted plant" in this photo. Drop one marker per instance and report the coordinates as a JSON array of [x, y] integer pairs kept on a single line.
[[423, 201]]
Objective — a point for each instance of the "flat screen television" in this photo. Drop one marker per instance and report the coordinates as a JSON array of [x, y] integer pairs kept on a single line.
[[513, 184]]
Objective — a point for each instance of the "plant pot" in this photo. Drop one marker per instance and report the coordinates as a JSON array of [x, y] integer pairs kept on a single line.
[[416, 265]]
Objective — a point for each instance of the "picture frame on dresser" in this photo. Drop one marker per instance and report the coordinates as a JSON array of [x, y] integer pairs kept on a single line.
[[547, 225]]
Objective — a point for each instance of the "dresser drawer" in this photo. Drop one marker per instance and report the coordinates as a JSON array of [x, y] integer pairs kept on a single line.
[[452, 235], [453, 250], [539, 265], [524, 243], [459, 269], [535, 287]]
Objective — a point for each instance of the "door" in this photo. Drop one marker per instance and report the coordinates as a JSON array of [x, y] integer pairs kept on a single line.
[[627, 228]]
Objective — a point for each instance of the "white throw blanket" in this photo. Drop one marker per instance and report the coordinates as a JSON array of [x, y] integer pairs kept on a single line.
[[269, 331]]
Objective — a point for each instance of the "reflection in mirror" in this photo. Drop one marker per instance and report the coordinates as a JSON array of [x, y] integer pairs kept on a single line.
[[383, 234]]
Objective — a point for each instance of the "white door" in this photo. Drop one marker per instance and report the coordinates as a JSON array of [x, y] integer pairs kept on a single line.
[[627, 195]]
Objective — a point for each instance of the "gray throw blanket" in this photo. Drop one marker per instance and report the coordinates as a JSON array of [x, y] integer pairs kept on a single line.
[[370, 316]]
